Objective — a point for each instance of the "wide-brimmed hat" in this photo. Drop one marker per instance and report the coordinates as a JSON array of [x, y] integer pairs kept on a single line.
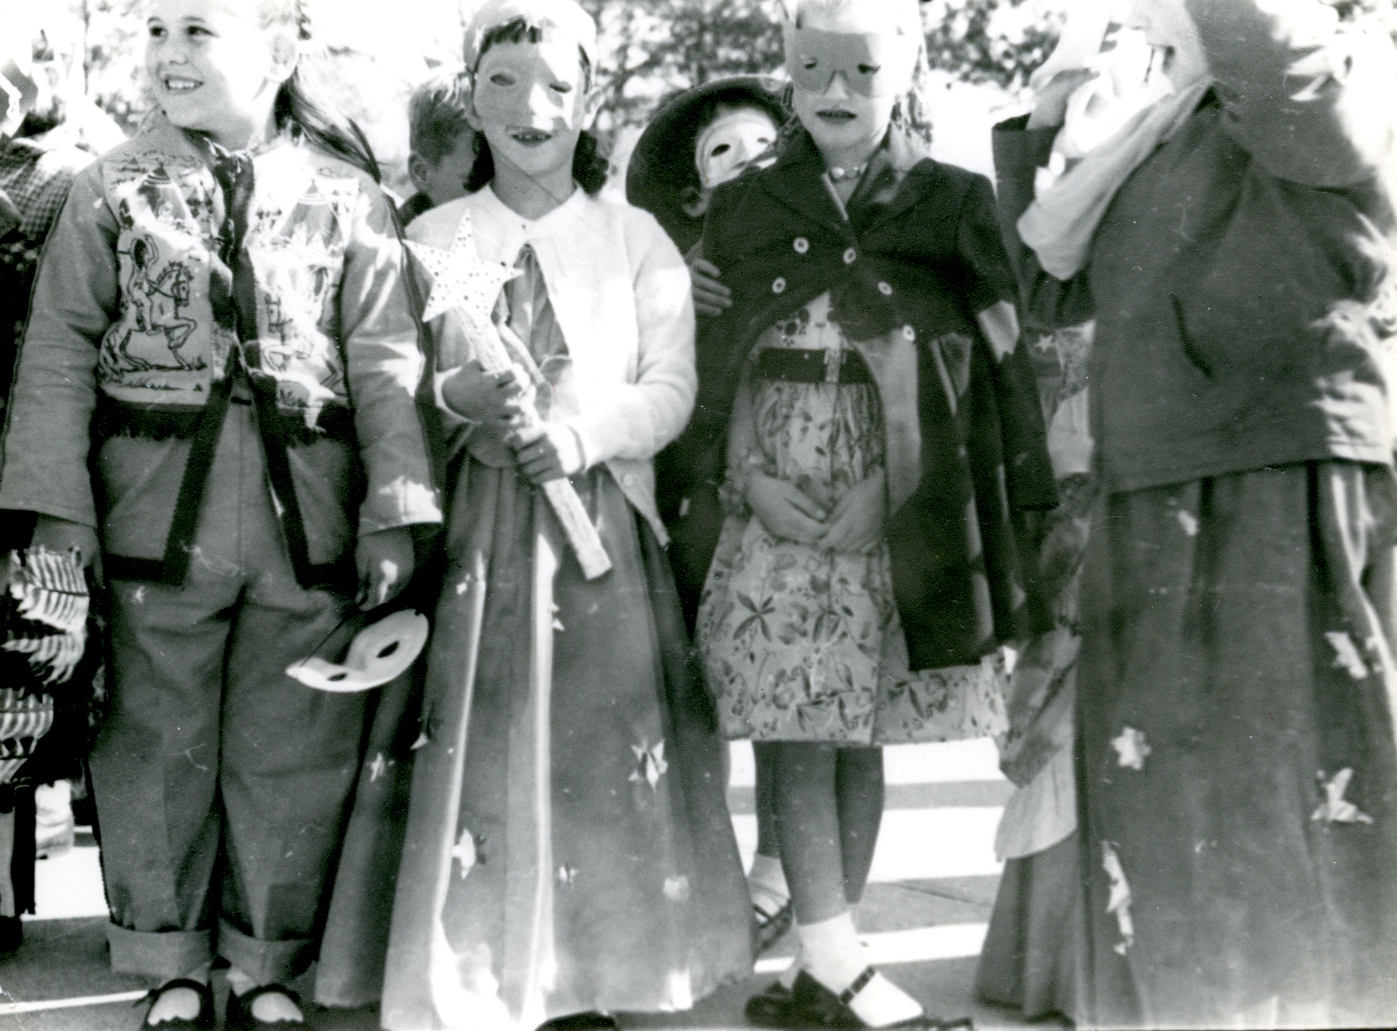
[[662, 163]]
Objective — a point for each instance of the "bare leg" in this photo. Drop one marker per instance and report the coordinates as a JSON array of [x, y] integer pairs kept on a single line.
[[7, 851], [767, 843], [807, 827], [859, 790], [815, 783]]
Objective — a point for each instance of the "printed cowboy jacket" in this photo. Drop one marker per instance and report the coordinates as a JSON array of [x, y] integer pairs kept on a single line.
[[140, 330], [911, 267]]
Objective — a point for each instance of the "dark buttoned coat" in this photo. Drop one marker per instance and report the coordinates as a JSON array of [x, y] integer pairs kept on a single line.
[[910, 262]]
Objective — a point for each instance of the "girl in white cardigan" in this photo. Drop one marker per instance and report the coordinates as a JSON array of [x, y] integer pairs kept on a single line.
[[568, 846]]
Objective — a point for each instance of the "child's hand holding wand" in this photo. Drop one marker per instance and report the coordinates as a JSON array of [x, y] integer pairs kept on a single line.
[[491, 400]]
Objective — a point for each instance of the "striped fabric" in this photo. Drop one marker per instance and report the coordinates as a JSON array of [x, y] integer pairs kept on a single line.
[[24, 719]]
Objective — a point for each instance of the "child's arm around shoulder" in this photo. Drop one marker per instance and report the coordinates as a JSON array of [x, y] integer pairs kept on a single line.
[[44, 451], [641, 417], [379, 335]]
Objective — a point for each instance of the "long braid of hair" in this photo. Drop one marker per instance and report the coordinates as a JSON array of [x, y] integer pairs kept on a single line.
[[303, 109]]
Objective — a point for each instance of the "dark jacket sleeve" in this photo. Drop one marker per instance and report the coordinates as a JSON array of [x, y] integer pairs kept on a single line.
[[1308, 96], [1046, 302]]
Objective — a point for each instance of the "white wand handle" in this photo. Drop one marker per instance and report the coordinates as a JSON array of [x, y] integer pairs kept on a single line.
[[582, 535]]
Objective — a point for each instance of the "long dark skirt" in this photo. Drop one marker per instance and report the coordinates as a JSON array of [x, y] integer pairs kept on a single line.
[[568, 844], [1237, 768], [1032, 951]]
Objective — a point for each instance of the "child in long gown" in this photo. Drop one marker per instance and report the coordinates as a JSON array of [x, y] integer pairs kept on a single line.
[[568, 845], [884, 435]]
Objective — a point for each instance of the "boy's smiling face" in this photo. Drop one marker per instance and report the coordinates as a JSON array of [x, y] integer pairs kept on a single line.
[[531, 102]]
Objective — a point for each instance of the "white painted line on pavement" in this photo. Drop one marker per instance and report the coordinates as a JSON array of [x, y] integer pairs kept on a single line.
[[921, 945], [11, 1008]]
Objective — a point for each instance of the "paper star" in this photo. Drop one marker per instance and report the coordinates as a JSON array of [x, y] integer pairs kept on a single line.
[[1337, 809], [1346, 655], [462, 281], [1132, 748], [650, 763]]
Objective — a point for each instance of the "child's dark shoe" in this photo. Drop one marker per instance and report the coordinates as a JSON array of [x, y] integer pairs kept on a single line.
[[770, 1007], [240, 1016], [771, 924], [814, 1005], [11, 934], [204, 1021]]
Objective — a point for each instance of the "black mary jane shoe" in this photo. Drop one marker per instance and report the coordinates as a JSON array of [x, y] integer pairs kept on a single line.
[[239, 1014], [814, 1005], [203, 1022], [771, 927], [771, 1007], [589, 1021], [11, 934]]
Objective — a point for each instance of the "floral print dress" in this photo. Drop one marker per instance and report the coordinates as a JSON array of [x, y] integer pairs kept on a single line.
[[800, 644]]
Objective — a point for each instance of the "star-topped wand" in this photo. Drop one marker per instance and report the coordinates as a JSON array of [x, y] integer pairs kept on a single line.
[[468, 286]]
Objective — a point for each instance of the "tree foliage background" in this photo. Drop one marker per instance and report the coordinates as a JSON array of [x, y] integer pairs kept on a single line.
[[377, 51]]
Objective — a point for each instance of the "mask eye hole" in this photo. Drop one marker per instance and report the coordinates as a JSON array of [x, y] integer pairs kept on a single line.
[[809, 63], [561, 87], [501, 79], [870, 69], [388, 649], [335, 678], [720, 150]]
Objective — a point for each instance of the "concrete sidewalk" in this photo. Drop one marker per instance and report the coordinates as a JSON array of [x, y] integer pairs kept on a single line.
[[924, 916]]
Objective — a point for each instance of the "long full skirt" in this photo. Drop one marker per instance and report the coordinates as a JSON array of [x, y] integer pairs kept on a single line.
[[1236, 761], [568, 844]]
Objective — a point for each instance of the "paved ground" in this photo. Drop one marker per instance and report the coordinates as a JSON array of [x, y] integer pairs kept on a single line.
[[924, 917]]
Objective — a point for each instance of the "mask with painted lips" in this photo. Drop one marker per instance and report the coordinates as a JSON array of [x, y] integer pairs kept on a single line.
[[533, 90], [875, 64]]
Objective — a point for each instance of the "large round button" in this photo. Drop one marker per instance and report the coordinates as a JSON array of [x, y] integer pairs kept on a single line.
[[778, 285], [909, 332], [886, 289], [801, 244], [851, 256]]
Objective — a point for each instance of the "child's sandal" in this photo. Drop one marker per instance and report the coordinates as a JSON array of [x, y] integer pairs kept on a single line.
[[814, 1005], [204, 1021], [240, 1017], [771, 925]]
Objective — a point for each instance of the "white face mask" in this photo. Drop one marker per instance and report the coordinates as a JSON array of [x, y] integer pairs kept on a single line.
[[379, 653], [731, 143]]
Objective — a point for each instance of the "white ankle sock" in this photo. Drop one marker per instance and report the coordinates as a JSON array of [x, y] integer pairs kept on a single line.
[[270, 1008], [767, 883], [833, 955]]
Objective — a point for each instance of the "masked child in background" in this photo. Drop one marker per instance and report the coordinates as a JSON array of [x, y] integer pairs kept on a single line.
[[442, 144], [568, 845], [697, 141], [221, 301], [884, 439]]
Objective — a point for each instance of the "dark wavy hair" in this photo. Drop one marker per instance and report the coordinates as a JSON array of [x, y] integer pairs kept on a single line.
[[302, 109], [589, 160]]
